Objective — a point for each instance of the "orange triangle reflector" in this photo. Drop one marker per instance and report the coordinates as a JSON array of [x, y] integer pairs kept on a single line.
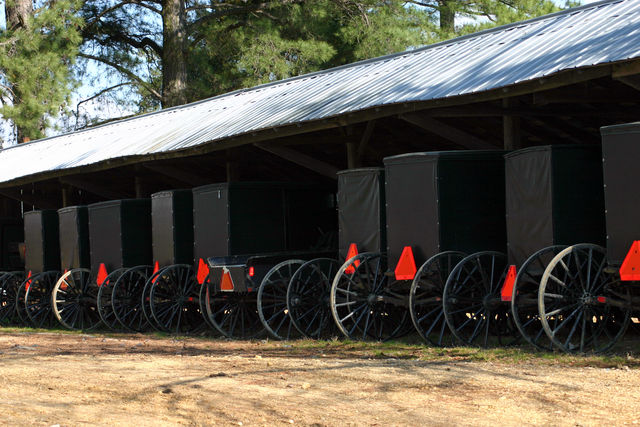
[[102, 274], [353, 251], [226, 284], [406, 268], [203, 271], [28, 281], [506, 294], [630, 268], [156, 268]]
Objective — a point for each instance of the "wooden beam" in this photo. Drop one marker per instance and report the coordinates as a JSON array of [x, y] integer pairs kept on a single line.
[[300, 159], [97, 189], [179, 174], [30, 199], [366, 137], [628, 68], [512, 134], [632, 81], [446, 131]]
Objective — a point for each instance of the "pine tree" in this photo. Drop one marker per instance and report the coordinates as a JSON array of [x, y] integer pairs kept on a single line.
[[37, 50]]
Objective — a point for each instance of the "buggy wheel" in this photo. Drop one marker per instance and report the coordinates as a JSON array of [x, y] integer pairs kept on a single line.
[[174, 300], [21, 309], [272, 300], [368, 303], [308, 297], [37, 299], [233, 314], [103, 300], [576, 301], [473, 306], [145, 301], [425, 297], [74, 300], [524, 298], [126, 298], [9, 284], [202, 301]]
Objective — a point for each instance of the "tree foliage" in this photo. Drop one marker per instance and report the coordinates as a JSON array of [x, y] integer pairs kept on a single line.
[[37, 50]]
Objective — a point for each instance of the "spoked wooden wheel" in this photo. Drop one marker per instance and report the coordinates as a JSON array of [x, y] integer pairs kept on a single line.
[[145, 301], [104, 305], [75, 300], [473, 307], [582, 305], [368, 303], [308, 298], [174, 300], [524, 299], [37, 299], [202, 301], [9, 284], [126, 298], [234, 314], [425, 297], [272, 300]]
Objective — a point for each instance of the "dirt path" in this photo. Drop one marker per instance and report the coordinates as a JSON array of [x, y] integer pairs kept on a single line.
[[50, 378]]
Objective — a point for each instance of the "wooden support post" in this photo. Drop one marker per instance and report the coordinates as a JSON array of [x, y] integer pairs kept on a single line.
[[511, 127], [66, 196], [352, 155]]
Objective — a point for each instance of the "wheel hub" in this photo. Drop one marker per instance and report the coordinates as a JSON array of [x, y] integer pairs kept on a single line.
[[586, 299], [372, 299]]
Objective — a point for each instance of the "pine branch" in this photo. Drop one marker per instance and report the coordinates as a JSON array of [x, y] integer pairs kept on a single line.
[[136, 80], [238, 10], [97, 18]]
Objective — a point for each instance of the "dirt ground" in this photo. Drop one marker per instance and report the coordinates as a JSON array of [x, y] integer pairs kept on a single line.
[[70, 379]]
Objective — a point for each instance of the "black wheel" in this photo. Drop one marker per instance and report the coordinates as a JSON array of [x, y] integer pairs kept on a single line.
[[272, 300], [524, 300], [202, 301], [425, 297], [126, 298], [308, 296], [174, 300], [103, 301], [37, 299], [21, 309], [9, 284], [75, 300], [472, 303], [234, 314], [145, 301], [368, 303], [582, 305]]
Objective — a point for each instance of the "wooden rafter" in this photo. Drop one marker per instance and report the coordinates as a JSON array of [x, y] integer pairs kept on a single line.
[[453, 134], [300, 159]]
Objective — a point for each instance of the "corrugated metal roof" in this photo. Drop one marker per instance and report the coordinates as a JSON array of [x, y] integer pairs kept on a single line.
[[591, 35]]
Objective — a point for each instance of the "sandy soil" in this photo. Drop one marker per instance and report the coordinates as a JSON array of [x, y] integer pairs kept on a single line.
[[49, 379]]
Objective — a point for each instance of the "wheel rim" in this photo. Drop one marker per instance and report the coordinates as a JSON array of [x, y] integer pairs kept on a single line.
[[308, 297], [9, 282], [365, 303], [233, 314], [126, 299], [572, 289], [21, 309], [37, 299], [174, 300], [425, 297], [202, 301], [145, 301], [75, 300], [272, 300], [472, 303], [524, 300], [104, 302]]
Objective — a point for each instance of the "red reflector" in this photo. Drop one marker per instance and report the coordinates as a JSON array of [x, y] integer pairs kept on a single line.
[[190, 299], [203, 271], [602, 300], [226, 284], [630, 268], [252, 271], [102, 274], [353, 251], [156, 267], [507, 288], [406, 268]]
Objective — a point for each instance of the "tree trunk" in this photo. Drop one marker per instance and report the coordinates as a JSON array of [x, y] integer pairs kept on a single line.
[[17, 14], [174, 63], [447, 15]]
